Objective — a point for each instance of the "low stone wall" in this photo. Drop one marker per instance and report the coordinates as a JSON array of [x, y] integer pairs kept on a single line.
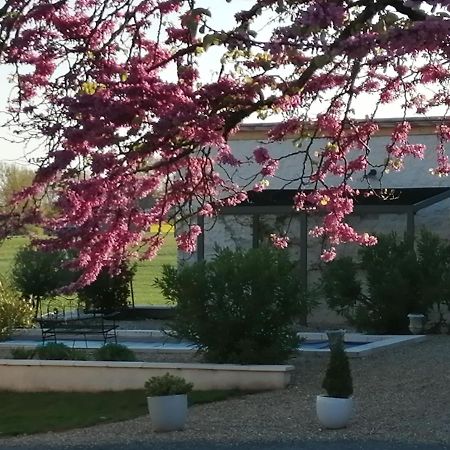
[[89, 376]]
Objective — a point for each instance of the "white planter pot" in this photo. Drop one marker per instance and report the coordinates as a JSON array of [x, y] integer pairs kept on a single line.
[[334, 412], [416, 323], [168, 413]]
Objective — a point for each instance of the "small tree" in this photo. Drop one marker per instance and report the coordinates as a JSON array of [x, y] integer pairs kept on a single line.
[[38, 274], [109, 292], [338, 378]]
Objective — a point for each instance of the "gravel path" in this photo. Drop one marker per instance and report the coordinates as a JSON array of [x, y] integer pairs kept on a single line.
[[259, 445], [402, 395]]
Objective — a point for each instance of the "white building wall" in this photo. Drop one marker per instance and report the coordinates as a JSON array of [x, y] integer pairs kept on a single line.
[[416, 172], [231, 232], [236, 231]]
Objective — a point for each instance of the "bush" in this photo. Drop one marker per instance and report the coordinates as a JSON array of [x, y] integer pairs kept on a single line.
[[338, 379], [109, 293], [59, 351], [23, 353], [238, 308], [114, 352], [54, 351], [14, 311], [167, 385], [38, 274], [389, 281]]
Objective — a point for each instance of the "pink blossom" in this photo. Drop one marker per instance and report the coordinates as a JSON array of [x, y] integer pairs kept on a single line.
[[207, 210], [328, 255], [120, 131], [261, 155], [279, 241], [270, 167], [261, 186], [187, 241]]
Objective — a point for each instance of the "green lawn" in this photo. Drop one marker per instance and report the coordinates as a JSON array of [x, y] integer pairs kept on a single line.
[[7, 251], [40, 412], [144, 291]]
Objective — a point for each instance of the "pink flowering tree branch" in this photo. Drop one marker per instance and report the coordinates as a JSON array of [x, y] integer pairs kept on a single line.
[[114, 90]]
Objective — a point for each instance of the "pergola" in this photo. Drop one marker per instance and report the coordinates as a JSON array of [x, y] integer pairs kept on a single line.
[[407, 201]]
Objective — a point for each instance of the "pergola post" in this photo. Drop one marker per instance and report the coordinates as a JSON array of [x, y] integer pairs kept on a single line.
[[201, 239], [410, 226], [304, 250], [255, 231]]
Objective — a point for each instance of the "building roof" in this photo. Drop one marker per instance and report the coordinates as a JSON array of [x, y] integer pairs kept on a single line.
[[419, 126]]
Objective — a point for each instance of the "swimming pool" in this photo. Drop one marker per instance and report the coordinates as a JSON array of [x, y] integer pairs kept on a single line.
[[356, 344]]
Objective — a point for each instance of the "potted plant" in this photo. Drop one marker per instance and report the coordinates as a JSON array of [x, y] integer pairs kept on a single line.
[[167, 402], [335, 409]]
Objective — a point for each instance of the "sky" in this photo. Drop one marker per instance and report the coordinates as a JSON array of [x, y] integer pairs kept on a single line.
[[222, 13], [18, 154]]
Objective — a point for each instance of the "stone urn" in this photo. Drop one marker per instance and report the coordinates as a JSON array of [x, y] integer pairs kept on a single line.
[[416, 323], [335, 337]]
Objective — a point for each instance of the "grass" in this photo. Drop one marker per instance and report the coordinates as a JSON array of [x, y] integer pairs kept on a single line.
[[144, 291], [40, 412], [8, 250]]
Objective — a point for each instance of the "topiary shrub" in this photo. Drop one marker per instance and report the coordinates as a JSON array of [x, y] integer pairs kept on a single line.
[[167, 385], [60, 351], [109, 293], [38, 274], [14, 311], [114, 352], [388, 281], [338, 381], [238, 308], [54, 351], [23, 353]]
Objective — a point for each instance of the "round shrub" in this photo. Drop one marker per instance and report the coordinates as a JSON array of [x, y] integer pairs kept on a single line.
[[114, 352], [15, 312], [167, 384], [238, 308], [22, 353], [53, 350], [109, 293], [60, 351]]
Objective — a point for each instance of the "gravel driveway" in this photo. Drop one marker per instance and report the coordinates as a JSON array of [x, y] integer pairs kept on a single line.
[[402, 402]]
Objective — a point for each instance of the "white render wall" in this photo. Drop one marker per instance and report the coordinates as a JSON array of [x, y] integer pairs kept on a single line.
[[96, 376], [416, 172], [236, 231], [228, 231]]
